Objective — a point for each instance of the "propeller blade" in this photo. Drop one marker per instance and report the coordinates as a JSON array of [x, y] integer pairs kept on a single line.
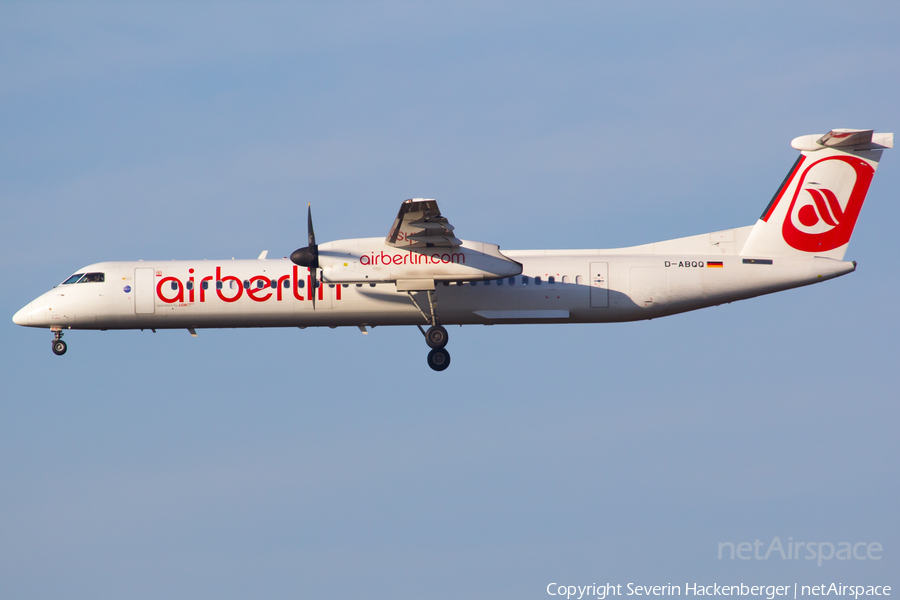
[[308, 256]]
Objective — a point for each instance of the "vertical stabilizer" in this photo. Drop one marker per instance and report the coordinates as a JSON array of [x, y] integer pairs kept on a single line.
[[815, 209]]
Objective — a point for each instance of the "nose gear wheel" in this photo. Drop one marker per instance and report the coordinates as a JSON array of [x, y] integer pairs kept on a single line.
[[57, 345]]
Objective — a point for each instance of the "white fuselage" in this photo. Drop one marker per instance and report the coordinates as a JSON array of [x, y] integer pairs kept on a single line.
[[587, 286]]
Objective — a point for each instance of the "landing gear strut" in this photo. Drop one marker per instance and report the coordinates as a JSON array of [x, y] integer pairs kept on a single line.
[[436, 337], [58, 346]]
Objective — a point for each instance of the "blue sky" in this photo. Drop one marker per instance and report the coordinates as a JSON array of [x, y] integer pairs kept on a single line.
[[287, 463]]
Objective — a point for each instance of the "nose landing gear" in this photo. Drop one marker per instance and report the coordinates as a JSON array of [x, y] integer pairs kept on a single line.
[[58, 346]]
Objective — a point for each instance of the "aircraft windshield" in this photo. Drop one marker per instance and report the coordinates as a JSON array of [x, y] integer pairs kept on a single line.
[[85, 278]]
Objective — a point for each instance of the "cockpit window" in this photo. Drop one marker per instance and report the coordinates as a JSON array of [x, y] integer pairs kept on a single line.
[[92, 278], [73, 278]]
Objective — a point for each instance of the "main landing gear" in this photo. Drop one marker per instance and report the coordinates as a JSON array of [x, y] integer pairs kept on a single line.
[[438, 359], [58, 346], [436, 337]]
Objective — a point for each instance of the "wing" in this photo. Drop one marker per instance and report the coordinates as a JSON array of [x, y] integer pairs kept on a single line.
[[419, 224]]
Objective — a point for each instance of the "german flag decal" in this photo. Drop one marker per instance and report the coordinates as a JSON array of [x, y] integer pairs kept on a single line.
[[712, 264]]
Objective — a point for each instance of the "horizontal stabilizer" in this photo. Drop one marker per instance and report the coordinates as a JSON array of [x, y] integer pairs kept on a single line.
[[844, 139]]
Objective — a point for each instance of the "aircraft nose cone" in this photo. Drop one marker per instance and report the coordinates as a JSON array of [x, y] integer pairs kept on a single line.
[[21, 317]]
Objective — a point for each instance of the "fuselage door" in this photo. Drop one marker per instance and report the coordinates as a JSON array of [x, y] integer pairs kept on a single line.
[[144, 290], [599, 285]]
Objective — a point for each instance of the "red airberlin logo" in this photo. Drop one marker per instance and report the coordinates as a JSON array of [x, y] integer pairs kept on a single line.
[[258, 288], [826, 203]]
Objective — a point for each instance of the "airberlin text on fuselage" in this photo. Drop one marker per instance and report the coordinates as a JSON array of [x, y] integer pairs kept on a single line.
[[174, 292], [412, 258]]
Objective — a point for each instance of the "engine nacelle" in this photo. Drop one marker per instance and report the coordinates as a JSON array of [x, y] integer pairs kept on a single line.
[[370, 260]]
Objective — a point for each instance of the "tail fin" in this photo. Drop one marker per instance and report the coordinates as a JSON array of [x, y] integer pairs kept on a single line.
[[815, 209]]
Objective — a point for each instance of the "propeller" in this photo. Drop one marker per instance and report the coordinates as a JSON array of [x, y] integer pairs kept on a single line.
[[309, 257]]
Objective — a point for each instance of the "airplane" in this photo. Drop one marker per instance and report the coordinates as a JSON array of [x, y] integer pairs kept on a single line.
[[422, 274]]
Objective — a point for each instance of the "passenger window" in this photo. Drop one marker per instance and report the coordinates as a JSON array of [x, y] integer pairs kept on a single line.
[[73, 278], [246, 284], [286, 284], [218, 285], [358, 285], [565, 279], [551, 280], [260, 284], [371, 285], [473, 282], [578, 280], [512, 281], [499, 282], [487, 282], [537, 281], [174, 285], [331, 285], [446, 283], [204, 285], [190, 285], [524, 279], [300, 283], [345, 285]]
